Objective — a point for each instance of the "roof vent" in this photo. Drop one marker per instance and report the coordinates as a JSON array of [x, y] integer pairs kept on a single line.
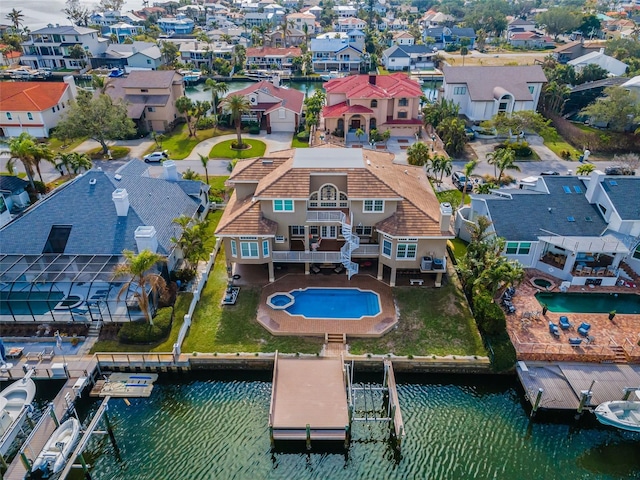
[[117, 177], [368, 162], [92, 181], [266, 161]]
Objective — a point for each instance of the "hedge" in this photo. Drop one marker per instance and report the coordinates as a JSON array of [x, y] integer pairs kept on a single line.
[[489, 316], [143, 332]]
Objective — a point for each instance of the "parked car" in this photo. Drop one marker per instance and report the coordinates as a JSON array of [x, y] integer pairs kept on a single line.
[[618, 170], [549, 172], [155, 157], [459, 181]]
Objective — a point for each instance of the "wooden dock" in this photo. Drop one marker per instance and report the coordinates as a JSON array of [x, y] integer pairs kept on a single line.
[[394, 404], [125, 385], [562, 383], [309, 400]]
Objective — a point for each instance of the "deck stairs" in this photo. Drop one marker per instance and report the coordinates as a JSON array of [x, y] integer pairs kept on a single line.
[[94, 330], [620, 356], [335, 338], [352, 242], [629, 271]]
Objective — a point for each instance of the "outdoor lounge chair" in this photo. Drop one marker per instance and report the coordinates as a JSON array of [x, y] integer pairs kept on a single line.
[[574, 341], [583, 329], [553, 329], [578, 269], [587, 270], [565, 324]]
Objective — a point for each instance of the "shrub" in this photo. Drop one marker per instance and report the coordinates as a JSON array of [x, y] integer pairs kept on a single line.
[[338, 133], [205, 123], [489, 316], [143, 332], [565, 154], [40, 187], [504, 355], [521, 148], [303, 136], [184, 275], [254, 129]]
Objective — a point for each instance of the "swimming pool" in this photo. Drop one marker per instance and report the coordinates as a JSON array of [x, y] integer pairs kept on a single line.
[[338, 303], [628, 303], [27, 303]]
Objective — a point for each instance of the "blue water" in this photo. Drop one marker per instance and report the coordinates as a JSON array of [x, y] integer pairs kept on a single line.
[[577, 302], [18, 303], [343, 303]]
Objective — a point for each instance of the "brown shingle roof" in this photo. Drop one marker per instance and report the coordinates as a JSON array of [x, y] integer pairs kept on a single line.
[[150, 79], [243, 217]]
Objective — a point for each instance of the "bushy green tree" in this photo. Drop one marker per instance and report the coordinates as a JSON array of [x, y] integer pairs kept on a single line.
[[434, 113], [452, 134], [618, 108], [558, 20], [418, 154]]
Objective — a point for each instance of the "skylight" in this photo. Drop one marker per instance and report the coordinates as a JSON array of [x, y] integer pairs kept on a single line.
[[588, 219], [566, 189], [577, 189], [613, 183], [571, 219]]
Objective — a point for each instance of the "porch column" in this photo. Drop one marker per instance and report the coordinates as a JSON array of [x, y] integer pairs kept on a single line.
[[272, 277], [439, 279], [380, 270], [307, 265], [392, 280]]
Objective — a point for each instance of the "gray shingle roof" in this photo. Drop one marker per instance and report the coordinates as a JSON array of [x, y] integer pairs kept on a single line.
[[89, 209], [529, 215], [625, 195], [12, 183]]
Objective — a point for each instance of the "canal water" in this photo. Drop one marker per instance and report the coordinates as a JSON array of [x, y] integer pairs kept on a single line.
[[213, 426]]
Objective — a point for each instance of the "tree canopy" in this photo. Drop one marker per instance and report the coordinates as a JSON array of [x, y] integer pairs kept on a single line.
[[559, 20], [619, 108]]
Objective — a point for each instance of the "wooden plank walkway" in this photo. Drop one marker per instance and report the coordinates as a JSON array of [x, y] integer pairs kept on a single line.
[[398, 424], [562, 382]]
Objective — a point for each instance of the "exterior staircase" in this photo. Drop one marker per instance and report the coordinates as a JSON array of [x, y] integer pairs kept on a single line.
[[352, 242], [629, 271], [334, 344], [620, 356], [94, 330]]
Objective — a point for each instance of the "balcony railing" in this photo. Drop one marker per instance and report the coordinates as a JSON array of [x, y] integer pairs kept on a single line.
[[366, 250], [326, 216], [306, 257]]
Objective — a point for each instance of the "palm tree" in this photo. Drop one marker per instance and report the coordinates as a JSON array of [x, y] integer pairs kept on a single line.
[[468, 170], [25, 149], [442, 165], [137, 268], [217, 90], [237, 105], [15, 17], [262, 30], [204, 160], [191, 240], [80, 161], [64, 161], [359, 134], [585, 169], [305, 30], [418, 154], [506, 161]]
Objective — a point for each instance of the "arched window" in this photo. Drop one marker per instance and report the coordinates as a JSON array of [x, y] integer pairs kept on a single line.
[[313, 199], [328, 192]]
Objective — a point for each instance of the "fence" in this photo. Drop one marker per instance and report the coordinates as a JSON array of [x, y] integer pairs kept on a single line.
[[564, 351]]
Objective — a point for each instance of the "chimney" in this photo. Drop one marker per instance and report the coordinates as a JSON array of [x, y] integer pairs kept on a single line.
[[68, 79], [146, 239], [372, 79], [595, 179], [134, 50], [275, 79], [602, 50], [170, 171], [445, 216], [121, 199]]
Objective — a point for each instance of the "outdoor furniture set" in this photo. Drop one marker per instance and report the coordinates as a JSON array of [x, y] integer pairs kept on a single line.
[[564, 324]]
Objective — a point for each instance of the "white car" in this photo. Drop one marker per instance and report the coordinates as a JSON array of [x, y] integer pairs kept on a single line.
[[156, 157]]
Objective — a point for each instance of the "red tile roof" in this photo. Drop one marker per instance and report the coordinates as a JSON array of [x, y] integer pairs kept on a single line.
[[274, 52], [339, 109], [386, 86], [30, 96], [291, 99]]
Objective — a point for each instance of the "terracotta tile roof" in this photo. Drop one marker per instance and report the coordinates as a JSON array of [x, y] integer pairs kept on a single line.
[[339, 109], [274, 52], [243, 217], [254, 169], [30, 96], [291, 99], [386, 86]]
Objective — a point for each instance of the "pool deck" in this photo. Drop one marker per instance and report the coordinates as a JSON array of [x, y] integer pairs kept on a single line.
[[612, 341], [279, 322]]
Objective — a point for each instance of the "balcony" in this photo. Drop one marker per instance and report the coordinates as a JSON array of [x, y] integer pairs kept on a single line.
[[326, 216]]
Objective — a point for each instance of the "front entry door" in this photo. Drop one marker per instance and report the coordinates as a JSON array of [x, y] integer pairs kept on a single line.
[[355, 124], [329, 231]]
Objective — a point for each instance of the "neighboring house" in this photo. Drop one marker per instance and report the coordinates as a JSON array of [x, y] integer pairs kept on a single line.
[[180, 24], [337, 54], [345, 11], [403, 38], [368, 102], [633, 85], [257, 19], [530, 40], [13, 197], [111, 17], [612, 65], [433, 19], [277, 39], [449, 37], [268, 57], [482, 92], [76, 237], [276, 109], [300, 19], [520, 25], [8, 57], [121, 31], [316, 11], [578, 229], [323, 206], [49, 47], [150, 97], [408, 57], [573, 50], [133, 56], [33, 107], [398, 24], [348, 24], [202, 53]]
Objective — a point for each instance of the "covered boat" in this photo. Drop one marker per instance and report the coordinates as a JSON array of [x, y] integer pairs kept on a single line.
[[56, 451], [620, 413], [13, 400]]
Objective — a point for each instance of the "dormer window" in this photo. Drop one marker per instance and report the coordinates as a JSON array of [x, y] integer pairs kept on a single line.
[[374, 103], [403, 102]]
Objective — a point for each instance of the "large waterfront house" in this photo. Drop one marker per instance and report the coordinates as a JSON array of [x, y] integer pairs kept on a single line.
[[573, 50], [50, 47], [334, 208], [408, 57], [179, 25], [275, 108], [444, 37], [203, 53], [612, 65], [338, 54], [33, 107], [271, 58], [578, 229], [76, 236], [372, 102], [482, 92], [130, 56], [150, 97]]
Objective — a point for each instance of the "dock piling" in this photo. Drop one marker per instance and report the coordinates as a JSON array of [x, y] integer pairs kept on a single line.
[[85, 467], [537, 402], [308, 437], [111, 434], [627, 392], [52, 412]]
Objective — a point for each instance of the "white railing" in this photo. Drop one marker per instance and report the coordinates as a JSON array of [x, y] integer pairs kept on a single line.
[[307, 257], [326, 216], [366, 250]]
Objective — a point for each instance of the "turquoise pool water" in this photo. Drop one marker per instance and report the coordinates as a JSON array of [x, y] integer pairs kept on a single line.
[[18, 303], [212, 426], [577, 302], [342, 303]]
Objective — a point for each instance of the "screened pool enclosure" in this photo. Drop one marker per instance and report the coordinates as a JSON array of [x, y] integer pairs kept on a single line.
[[64, 288]]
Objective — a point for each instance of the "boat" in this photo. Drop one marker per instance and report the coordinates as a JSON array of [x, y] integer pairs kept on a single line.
[[622, 414], [13, 400], [258, 75], [56, 451], [23, 73], [190, 76], [331, 75], [116, 72]]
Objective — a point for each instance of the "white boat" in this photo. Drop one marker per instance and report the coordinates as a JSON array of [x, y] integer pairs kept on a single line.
[[13, 400], [622, 414], [56, 451], [190, 76], [330, 75], [258, 75]]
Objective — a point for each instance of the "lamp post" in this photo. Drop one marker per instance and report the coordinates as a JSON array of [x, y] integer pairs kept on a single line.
[[433, 142]]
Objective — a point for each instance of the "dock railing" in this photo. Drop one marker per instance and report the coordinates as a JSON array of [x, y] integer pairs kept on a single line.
[[141, 360], [273, 389], [602, 351]]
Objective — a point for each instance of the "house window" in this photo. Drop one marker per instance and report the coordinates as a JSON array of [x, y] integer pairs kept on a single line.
[[406, 251], [503, 106], [459, 90], [566, 189], [362, 230], [402, 114], [577, 189], [265, 248], [279, 238], [403, 102], [518, 248], [148, 61], [603, 208], [144, 90], [9, 116], [512, 248], [373, 206], [151, 109], [283, 205], [374, 103], [234, 248], [636, 253], [531, 89], [249, 249], [386, 248], [297, 230], [29, 116]]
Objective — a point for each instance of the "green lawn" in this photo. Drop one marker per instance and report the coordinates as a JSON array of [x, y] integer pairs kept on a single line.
[[223, 149], [116, 153], [295, 143], [433, 321], [454, 197], [59, 146], [560, 146], [180, 144], [459, 247]]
